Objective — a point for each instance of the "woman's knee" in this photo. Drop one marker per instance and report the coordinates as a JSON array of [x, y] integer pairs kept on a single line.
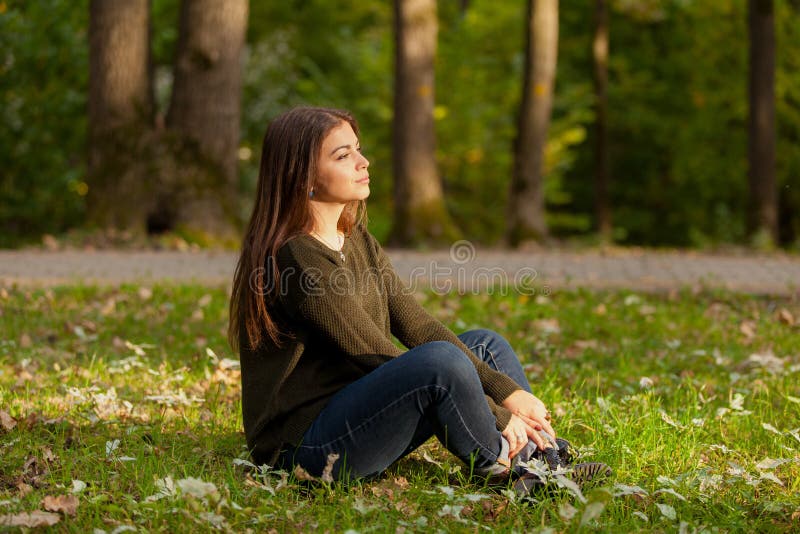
[[486, 335], [444, 359]]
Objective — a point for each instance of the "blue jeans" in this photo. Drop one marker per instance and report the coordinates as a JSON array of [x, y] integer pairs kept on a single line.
[[432, 389]]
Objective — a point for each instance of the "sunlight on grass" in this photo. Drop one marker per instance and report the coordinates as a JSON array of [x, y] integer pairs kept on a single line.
[[128, 399]]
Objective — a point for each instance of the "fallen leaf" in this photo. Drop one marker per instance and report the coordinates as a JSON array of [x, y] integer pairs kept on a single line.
[[493, 508], [624, 489], [328, 469], [573, 488], [145, 293], [748, 328], [785, 317], [302, 474], [642, 516], [630, 300], [25, 341], [196, 487], [667, 511], [592, 511], [567, 511], [769, 463], [7, 422], [771, 477], [547, 326], [671, 492], [30, 520], [48, 456], [401, 482], [428, 458], [646, 309], [24, 489], [66, 504]]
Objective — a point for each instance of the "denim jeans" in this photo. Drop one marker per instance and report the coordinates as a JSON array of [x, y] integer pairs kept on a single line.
[[432, 389]]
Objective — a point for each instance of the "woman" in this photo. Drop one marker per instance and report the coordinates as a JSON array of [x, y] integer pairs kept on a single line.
[[315, 303]]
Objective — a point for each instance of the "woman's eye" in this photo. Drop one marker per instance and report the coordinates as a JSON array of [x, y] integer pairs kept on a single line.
[[343, 156]]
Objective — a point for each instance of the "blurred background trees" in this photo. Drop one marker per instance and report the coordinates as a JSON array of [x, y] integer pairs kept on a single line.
[[526, 202], [674, 129]]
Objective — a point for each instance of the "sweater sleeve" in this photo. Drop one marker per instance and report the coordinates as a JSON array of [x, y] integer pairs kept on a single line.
[[413, 326]]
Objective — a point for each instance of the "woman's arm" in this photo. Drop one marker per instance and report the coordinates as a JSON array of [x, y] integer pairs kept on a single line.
[[413, 326]]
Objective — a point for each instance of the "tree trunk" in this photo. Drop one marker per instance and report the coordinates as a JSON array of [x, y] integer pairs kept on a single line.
[[526, 199], [420, 214], [205, 113], [763, 218], [601, 180], [120, 112]]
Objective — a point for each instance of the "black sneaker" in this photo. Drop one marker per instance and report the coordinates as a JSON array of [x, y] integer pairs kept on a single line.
[[564, 451], [589, 473], [585, 475]]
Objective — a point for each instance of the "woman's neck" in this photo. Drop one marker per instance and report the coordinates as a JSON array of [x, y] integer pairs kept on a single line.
[[326, 219]]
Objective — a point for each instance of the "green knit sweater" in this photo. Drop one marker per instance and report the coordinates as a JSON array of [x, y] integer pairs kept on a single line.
[[341, 315]]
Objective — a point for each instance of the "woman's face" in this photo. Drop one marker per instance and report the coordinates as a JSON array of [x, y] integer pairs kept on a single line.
[[341, 170]]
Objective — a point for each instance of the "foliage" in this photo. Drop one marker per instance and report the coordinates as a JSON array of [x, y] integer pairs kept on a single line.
[[128, 399], [677, 97], [44, 74]]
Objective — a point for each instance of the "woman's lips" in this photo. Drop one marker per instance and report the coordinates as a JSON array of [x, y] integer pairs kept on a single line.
[[363, 180]]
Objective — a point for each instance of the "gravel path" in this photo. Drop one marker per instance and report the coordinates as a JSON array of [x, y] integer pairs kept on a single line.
[[462, 267]]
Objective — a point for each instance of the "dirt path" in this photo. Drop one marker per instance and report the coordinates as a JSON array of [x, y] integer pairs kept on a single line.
[[464, 268]]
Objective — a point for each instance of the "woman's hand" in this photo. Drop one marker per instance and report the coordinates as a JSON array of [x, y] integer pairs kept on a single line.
[[516, 433], [532, 412]]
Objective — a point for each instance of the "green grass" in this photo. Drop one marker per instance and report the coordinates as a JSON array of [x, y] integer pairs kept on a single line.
[[665, 389]]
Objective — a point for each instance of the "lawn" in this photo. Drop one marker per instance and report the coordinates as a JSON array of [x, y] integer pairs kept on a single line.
[[120, 411]]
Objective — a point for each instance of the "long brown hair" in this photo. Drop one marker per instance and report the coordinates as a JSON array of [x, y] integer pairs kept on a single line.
[[286, 176]]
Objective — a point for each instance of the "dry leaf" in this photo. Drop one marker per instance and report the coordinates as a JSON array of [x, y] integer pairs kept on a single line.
[[493, 508], [302, 474], [7, 422], [66, 504], [145, 293], [328, 469], [401, 482], [785, 317], [748, 328], [600, 309], [25, 341], [30, 520], [24, 489], [48, 456], [547, 326]]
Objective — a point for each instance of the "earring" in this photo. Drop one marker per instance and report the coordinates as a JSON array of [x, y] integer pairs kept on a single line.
[[311, 194]]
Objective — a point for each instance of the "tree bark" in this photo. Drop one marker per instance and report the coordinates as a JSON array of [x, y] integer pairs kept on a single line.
[[601, 179], [120, 112], [526, 220], [763, 218], [420, 213], [205, 113]]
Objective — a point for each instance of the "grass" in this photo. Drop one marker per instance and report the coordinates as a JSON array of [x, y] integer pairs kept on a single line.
[[128, 399]]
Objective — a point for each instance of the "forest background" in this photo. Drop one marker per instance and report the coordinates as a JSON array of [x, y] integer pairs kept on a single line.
[[677, 111]]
